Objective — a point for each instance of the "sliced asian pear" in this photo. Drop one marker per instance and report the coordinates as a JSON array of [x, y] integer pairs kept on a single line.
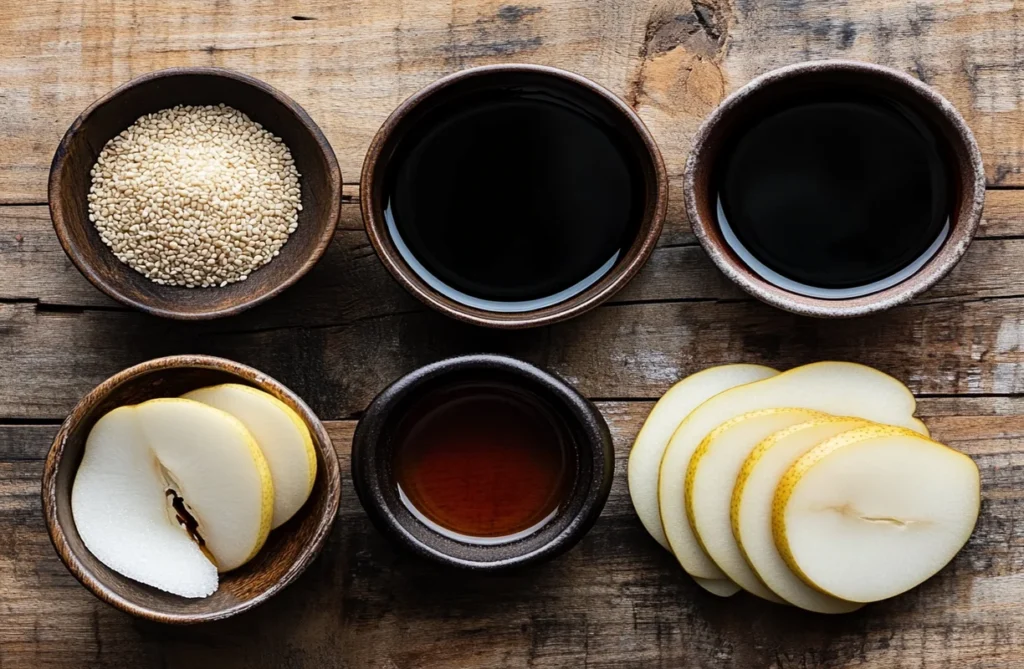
[[751, 509], [154, 474], [840, 388], [282, 436], [671, 409], [718, 586], [709, 484], [874, 512]]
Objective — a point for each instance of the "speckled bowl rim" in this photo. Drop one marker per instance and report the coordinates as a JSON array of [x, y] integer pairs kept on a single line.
[[648, 233], [962, 230], [590, 499], [54, 461]]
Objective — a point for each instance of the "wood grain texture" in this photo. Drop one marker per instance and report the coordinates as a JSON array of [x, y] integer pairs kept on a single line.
[[616, 601], [349, 64], [347, 329]]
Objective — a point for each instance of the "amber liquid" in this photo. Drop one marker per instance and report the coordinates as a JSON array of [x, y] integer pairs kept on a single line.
[[483, 462]]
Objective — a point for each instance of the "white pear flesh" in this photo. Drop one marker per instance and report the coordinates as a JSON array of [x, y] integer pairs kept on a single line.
[[719, 587], [670, 410], [281, 435], [874, 512], [120, 511], [751, 510], [839, 388], [133, 456], [710, 479]]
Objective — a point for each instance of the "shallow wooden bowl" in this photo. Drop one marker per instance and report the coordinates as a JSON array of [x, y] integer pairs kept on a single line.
[[289, 549], [104, 119], [791, 82], [608, 109]]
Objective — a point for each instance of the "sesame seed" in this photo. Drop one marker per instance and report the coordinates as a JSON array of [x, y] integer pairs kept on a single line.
[[189, 184]]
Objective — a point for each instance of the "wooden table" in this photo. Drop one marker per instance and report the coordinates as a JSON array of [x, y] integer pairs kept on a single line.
[[340, 335]]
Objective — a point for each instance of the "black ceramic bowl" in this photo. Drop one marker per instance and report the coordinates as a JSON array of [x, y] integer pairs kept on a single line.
[[374, 477]]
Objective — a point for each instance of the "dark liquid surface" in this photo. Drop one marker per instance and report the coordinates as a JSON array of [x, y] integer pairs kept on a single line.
[[513, 195], [483, 461], [836, 192]]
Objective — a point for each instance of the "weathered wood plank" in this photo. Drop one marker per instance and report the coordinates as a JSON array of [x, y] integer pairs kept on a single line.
[[347, 329], [351, 63], [350, 283], [616, 601], [952, 345]]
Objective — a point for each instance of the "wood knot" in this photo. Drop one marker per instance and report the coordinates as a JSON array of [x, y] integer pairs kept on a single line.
[[679, 58], [700, 31]]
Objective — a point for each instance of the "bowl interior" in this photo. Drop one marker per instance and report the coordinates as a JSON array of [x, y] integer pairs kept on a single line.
[[288, 550], [374, 477], [799, 83], [320, 184], [447, 95]]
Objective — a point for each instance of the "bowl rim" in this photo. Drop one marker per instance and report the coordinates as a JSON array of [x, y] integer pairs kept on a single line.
[[614, 281], [61, 225], [598, 447], [964, 222], [54, 458]]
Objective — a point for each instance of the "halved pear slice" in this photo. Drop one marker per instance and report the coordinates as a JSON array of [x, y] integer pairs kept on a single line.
[[874, 512], [153, 474], [751, 509], [718, 586], [840, 388], [709, 484], [671, 409], [282, 436]]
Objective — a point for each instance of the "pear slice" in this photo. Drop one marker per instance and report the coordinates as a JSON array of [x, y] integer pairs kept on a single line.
[[717, 586], [156, 473], [709, 485], [751, 509], [650, 443], [282, 436], [840, 388], [874, 511]]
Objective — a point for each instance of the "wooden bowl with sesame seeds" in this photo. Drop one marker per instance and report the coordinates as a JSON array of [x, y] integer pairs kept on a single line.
[[71, 180]]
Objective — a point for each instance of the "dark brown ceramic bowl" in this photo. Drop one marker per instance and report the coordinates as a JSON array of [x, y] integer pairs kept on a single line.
[[374, 479], [746, 103], [104, 119], [614, 111], [289, 549]]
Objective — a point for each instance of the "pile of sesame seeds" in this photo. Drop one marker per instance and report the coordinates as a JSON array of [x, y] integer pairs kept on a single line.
[[195, 196]]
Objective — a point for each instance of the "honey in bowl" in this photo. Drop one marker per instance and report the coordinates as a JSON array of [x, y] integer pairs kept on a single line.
[[483, 462]]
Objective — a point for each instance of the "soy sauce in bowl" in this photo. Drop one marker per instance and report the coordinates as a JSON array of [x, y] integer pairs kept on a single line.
[[513, 197], [834, 188], [835, 194]]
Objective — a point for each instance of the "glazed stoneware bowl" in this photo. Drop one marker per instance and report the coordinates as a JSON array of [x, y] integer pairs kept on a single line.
[[289, 549], [70, 181], [750, 101], [374, 477], [614, 113]]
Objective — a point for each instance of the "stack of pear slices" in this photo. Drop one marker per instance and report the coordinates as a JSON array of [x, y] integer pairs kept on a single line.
[[174, 491], [816, 487]]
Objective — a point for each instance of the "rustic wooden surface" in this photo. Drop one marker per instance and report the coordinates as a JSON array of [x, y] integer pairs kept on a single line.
[[617, 600]]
